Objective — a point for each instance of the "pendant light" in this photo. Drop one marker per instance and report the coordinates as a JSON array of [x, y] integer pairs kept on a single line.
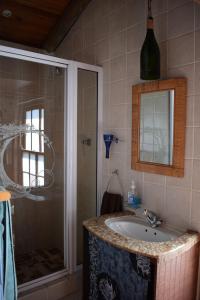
[[150, 53]]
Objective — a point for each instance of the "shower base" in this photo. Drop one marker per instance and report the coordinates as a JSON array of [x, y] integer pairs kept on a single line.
[[38, 263]]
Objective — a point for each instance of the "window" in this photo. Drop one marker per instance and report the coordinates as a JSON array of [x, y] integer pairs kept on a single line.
[[33, 153]]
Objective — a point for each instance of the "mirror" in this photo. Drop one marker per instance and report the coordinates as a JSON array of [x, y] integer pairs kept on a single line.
[[156, 127], [158, 137]]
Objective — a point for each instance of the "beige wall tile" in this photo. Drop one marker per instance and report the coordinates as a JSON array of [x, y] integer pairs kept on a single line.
[[177, 206], [153, 197], [117, 92], [102, 8], [121, 146], [154, 178], [195, 207], [106, 71], [160, 25], [185, 181], [117, 161], [190, 111], [101, 28], [115, 4], [127, 23], [117, 116], [158, 7], [128, 89], [133, 65], [187, 72], [197, 78], [189, 142], [102, 51], [195, 174], [183, 45], [170, 197], [197, 16], [197, 142], [135, 37], [135, 12], [117, 20], [163, 60], [195, 226], [197, 44], [175, 3], [117, 44], [78, 40], [176, 26], [197, 110], [88, 35], [117, 68], [88, 55]]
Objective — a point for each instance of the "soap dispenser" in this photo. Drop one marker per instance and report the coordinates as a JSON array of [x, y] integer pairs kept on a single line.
[[133, 199]]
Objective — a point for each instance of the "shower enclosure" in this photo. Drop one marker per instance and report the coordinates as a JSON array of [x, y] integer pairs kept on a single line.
[[61, 99]]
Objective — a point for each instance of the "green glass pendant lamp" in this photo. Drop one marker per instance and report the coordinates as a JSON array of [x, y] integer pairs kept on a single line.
[[150, 53]]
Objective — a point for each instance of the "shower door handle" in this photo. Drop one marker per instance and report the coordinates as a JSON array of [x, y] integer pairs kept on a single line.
[[86, 141]]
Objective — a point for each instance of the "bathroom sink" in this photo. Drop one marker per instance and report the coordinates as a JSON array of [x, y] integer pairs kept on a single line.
[[139, 229]]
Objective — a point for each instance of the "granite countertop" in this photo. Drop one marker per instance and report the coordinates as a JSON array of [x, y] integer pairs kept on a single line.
[[157, 250]]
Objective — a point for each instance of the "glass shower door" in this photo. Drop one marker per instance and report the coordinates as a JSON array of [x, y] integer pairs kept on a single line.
[[33, 94]]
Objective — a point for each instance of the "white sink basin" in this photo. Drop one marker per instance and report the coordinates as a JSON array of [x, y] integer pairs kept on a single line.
[[136, 228]]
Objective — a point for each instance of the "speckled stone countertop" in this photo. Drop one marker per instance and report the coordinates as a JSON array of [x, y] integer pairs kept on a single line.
[[157, 250]]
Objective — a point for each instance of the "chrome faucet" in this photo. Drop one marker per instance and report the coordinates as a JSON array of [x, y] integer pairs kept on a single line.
[[152, 218]]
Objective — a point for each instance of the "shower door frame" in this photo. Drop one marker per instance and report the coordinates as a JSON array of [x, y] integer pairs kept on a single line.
[[70, 150]]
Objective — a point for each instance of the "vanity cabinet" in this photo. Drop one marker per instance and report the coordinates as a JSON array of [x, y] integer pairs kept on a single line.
[[113, 273]]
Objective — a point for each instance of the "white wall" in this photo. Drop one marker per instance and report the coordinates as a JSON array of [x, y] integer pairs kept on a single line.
[[110, 33]]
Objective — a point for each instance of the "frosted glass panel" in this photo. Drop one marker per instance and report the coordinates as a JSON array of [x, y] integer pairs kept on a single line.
[[25, 162], [35, 142], [42, 143], [40, 181], [28, 141], [33, 180], [42, 119], [26, 179], [28, 118], [41, 165], [32, 164], [35, 118]]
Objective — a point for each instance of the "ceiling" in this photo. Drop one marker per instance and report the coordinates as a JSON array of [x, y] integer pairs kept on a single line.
[[39, 23]]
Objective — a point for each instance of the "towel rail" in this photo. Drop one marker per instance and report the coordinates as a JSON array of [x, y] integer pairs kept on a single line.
[[115, 172]]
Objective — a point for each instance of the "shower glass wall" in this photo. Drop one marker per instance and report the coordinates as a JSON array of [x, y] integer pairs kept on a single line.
[[62, 99], [87, 107], [33, 94]]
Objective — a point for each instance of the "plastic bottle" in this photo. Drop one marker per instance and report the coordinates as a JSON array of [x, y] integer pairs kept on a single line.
[[133, 198]]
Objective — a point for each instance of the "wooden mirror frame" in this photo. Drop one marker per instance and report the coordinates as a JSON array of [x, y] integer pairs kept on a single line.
[[179, 85]]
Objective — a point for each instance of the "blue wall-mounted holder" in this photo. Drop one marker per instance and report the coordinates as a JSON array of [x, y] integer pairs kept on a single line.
[[108, 139]]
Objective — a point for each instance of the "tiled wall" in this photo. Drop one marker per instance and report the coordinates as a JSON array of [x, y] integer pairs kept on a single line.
[[110, 33]]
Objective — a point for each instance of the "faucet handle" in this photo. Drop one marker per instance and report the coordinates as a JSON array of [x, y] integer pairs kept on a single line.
[[152, 218]]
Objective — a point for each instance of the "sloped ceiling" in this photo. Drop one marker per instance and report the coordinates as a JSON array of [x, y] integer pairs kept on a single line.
[[38, 23]]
